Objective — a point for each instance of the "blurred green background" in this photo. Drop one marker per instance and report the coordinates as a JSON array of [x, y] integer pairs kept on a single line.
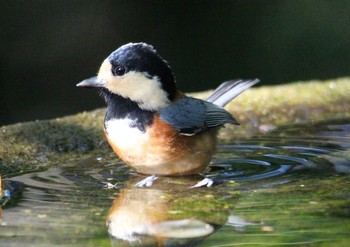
[[46, 47]]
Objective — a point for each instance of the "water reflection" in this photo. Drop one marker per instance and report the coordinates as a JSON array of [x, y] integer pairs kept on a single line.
[[169, 213]]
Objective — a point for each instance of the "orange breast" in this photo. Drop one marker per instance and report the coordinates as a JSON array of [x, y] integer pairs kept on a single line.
[[163, 151]]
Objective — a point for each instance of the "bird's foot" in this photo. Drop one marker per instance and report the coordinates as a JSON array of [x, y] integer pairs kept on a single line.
[[148, 182], [109, 185], [205, 182]]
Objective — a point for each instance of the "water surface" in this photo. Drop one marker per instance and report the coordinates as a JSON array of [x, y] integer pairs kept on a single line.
[[286, 187]]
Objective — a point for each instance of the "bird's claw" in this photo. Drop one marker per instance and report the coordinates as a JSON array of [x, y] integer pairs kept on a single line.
[[205, 182], [148, 182]]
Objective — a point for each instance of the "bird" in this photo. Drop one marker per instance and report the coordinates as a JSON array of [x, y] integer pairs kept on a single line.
[[151, 125]]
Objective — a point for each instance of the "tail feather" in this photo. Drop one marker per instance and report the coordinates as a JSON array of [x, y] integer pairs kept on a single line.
[[229, 90]]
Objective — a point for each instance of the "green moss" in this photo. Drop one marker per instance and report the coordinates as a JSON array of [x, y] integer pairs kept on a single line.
[[311, 211], [34, 145], [307, 197], [210, 205]]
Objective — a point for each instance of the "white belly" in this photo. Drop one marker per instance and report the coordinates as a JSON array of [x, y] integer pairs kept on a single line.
[[123, 136]]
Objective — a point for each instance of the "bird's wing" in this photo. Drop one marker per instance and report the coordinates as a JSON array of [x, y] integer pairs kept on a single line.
[[191, 116]]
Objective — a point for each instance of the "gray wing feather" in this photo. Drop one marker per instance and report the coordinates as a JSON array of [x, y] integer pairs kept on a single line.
[[191, 116], [229, 90]]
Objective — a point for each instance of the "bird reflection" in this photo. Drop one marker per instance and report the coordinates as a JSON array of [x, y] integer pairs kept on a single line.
[[169, 213]]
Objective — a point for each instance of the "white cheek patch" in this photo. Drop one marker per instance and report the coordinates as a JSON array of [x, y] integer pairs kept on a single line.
[[147, 92]]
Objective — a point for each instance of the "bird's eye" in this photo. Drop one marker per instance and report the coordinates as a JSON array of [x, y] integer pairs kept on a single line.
[[119, 71]]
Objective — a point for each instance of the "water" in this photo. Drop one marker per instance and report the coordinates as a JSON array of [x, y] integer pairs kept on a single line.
[[287, 187]]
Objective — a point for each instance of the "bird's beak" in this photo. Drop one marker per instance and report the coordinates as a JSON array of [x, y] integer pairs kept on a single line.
[[91, 82]]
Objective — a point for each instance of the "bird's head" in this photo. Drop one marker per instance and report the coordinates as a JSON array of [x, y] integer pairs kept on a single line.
[[136, 71]]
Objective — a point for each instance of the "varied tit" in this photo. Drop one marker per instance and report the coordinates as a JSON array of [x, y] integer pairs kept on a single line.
[[152, 126]]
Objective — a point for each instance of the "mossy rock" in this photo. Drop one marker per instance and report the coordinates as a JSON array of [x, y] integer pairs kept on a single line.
[[40, 144]]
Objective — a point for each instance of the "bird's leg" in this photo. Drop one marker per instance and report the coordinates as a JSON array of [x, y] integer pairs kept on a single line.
[[205, 182], [148, 182]]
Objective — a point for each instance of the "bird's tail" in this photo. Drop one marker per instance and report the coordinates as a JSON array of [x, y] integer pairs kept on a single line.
[[229, 90]]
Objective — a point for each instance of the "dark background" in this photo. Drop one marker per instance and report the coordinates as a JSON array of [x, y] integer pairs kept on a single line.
[[46, 47]]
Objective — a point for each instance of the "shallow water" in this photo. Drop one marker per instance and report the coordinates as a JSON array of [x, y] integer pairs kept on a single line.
[[287, 187]]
